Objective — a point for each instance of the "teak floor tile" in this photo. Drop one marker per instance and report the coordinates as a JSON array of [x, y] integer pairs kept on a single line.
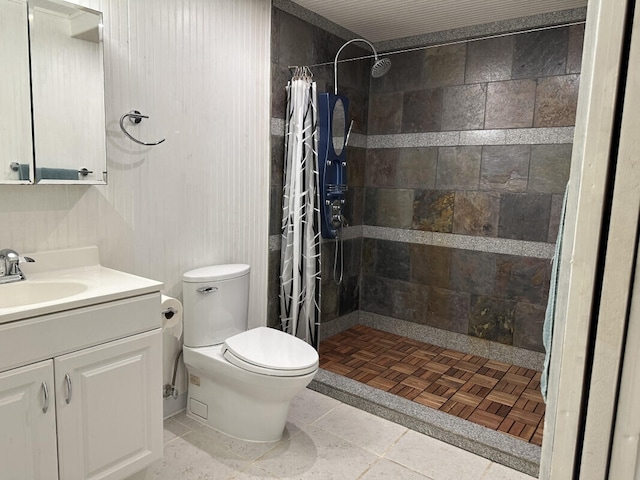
[[496, 395]]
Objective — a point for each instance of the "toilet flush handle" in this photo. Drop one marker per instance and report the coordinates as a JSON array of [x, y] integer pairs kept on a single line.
[[207, 289]]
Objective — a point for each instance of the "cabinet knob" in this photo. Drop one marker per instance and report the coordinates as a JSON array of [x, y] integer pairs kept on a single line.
[[67, 380], [45, 394]]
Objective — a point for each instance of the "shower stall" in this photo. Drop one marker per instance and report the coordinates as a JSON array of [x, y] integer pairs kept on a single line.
[[456, 164]]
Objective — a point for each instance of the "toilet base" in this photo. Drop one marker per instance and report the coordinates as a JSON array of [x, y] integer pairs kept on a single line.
[[239, 403], [264, 424]]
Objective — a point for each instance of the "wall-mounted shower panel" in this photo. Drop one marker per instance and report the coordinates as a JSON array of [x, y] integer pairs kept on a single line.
[[333, 129]]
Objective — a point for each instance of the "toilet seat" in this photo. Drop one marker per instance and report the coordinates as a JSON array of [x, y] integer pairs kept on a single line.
[[270, 352]]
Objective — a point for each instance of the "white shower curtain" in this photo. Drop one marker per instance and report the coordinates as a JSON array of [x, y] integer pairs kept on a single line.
[[300, 254]]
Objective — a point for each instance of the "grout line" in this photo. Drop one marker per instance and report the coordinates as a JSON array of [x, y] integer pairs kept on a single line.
[[191, 429], [393, 444], [252, 464], [185, 425], [324, 415], [261, 457], [350, 442], [174, 439], [368, 468], [411, 469], [486, 470], [184, 434]]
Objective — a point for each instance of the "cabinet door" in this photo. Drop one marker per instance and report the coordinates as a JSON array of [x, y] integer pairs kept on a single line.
[[109, 406], [28, 423]]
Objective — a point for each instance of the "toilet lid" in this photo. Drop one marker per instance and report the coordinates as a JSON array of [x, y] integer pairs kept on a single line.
[[270, 352], [215, 273]]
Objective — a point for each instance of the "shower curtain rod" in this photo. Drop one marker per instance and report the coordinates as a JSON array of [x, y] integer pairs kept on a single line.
[[444, 44]]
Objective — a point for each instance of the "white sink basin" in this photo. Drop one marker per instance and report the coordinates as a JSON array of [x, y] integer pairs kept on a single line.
[[64, 280], [26, 292]]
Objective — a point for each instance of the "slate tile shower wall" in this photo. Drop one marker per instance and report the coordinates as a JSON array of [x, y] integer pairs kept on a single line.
[[456, 184], [469, 141], [297, 42]]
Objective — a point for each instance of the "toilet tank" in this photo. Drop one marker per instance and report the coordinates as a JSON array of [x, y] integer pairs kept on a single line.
[[216, 303]]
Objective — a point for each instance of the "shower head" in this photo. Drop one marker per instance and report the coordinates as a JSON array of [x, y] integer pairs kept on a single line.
[[380, 66]]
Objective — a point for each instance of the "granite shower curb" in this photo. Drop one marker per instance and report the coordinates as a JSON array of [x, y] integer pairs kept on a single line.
[[490, 444]]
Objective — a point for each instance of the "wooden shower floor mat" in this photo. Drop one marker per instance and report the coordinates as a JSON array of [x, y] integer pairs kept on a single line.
[[496, 395]]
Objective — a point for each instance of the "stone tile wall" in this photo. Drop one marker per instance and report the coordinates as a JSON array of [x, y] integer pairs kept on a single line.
[[470, 143], [498, 190], [487, 295]]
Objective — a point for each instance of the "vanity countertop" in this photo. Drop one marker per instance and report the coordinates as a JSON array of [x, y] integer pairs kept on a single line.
[[65, 280]]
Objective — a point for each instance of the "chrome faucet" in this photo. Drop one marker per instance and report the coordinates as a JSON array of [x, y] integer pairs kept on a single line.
[[9, 266]]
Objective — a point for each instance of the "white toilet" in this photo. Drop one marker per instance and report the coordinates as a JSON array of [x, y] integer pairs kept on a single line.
[[241, 382]]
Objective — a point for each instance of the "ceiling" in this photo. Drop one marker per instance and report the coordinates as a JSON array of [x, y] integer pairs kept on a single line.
[[381, 20]]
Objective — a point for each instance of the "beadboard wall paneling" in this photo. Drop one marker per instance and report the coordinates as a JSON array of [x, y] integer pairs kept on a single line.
[[200, 70]]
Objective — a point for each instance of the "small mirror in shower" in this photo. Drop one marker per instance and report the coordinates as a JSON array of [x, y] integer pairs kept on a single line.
[[338, 126]]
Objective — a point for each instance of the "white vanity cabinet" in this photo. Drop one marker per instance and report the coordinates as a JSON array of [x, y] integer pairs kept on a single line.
[[108, 405], [105, 401], [81, 378], [28, 423]]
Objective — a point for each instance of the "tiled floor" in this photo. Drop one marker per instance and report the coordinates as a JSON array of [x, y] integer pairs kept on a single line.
[[324, 439], [496, 395]]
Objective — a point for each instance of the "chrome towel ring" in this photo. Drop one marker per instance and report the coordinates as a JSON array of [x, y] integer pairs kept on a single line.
[[136, 117]]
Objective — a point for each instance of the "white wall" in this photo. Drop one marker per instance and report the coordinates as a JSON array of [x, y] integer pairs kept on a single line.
[[200, 69]]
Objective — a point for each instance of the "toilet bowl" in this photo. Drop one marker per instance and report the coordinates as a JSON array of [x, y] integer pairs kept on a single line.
[[241, 382]]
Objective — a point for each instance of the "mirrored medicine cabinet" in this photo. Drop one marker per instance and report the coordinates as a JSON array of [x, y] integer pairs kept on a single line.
[[52, 114]]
